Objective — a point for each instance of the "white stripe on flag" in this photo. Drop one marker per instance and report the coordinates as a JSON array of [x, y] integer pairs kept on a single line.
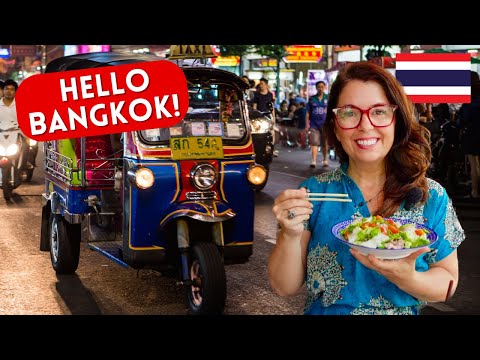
[[433, 65], [437, 90]]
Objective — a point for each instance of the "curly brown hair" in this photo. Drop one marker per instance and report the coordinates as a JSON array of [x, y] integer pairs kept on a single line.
[[409, 158]]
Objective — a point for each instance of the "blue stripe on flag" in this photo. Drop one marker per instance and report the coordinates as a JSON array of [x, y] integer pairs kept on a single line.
[[433, 77]]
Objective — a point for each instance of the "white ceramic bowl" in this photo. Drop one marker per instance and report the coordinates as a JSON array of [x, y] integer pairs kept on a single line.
[[384, 253]]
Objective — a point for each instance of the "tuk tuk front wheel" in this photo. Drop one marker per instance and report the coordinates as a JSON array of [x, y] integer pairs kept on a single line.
[[64, 244], [208, 290]]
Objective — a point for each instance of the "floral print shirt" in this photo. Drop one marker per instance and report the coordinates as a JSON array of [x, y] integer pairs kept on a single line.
[[336, 282]]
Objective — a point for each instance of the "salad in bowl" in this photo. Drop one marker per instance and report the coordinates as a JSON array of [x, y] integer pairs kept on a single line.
[[386, 238]]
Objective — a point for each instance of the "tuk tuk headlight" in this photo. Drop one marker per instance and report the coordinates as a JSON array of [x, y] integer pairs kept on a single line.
[[260, 126], [203, 176], [12, 149], [141, 177], [257, 174]]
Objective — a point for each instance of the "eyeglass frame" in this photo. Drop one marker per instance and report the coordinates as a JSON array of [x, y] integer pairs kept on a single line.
[[364, 111]]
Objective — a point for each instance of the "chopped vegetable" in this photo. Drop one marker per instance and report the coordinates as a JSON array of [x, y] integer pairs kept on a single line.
[[377, 232]]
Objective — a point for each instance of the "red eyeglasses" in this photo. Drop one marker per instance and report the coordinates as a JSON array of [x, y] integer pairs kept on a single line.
[[349, 116]]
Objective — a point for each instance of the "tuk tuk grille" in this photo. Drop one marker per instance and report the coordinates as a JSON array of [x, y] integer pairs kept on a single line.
[[198, 195], [62, 168], [58, 165]]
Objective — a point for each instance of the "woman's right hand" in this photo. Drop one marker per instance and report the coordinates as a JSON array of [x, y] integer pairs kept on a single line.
[[292, 208]]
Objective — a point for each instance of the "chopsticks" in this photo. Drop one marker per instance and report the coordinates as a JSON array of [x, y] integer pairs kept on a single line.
[[450, 285], [328, 197]]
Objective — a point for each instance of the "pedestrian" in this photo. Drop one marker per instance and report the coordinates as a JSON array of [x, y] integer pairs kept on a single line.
[[384, 156], [469, 124], [315, 118], [262, 96], [8, 107], [299, 121], [250, 92]]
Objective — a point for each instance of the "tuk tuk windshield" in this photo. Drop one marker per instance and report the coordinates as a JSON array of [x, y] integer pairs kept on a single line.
[[214, 110]]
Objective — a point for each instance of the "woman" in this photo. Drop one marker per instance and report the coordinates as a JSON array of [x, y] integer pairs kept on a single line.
[[381, 162]]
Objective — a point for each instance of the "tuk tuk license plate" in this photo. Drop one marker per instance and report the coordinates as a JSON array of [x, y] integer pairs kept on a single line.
[[197, 147]]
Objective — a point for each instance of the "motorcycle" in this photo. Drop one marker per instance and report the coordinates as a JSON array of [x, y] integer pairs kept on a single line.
[[30, 157], [11, 156]]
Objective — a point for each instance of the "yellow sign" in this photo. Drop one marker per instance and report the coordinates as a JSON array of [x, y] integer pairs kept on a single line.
[[198, 147], [226, 61], [304, 54], [191, 52], [266, 63]]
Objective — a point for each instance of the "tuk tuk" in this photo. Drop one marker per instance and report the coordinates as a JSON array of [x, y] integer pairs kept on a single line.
[[178, 198]]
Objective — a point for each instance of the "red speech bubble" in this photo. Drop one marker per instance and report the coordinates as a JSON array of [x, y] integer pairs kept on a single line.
[[103, 100]]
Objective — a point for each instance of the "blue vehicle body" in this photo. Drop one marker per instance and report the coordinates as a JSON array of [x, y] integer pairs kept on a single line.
[[195, 213]]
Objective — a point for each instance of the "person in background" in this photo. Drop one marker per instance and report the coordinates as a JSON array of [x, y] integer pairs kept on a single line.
[[469, 123], [284, 118], [291, 99], [440, 115], [8, 107], [1, 88], [283, 112], [424, 115], [251, 90], [262, 96], [315, 118], [8, 116], [299, 121], [384, 156]]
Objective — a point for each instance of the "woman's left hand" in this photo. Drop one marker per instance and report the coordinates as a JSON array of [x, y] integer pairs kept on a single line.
[[397, 271]]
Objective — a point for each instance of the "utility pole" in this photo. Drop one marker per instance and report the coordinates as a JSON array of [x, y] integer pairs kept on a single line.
[[43, 52], [329, 56]]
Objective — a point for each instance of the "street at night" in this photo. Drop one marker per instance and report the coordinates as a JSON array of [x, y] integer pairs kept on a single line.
[[29, 284]]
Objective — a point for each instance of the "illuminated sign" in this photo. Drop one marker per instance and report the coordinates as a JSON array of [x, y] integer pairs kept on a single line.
[[226, 61], [304, 54], [4, 53], [264, 63], [23, 50], [191, 51], [84, 49]]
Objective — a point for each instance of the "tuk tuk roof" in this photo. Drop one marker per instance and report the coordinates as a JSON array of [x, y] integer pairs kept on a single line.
[[193, 70]]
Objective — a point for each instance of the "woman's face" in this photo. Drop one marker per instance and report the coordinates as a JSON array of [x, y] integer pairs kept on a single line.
[[365, 144]]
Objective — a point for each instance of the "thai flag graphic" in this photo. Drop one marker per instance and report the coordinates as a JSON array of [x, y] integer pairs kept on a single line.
[[435, 78]]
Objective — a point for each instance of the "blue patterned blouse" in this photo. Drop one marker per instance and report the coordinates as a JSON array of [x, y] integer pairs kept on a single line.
[[336, 282]]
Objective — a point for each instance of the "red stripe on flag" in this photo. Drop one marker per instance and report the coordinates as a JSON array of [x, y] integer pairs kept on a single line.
[[433, 57], [463, 99]]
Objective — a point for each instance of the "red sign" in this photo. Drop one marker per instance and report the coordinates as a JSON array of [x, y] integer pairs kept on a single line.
[[23, 50], [304, 53], [102, 100]]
